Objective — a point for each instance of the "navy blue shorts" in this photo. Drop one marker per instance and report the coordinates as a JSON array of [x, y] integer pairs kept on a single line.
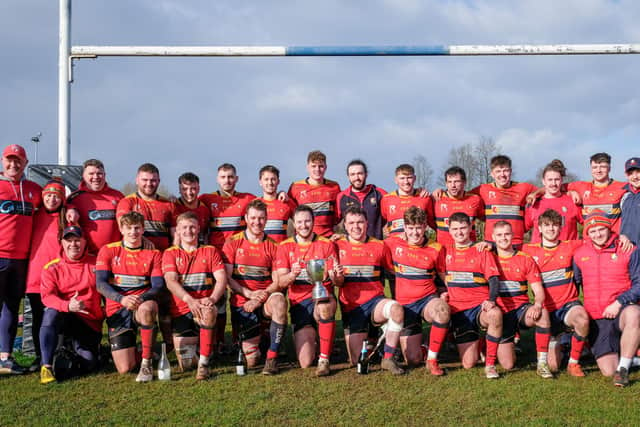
[[558, 324], [358, 319], [123, 329], [413, 316], [249, 323], [512, 321], [185, 326], [604, 335], [466, 325], [302, 315]]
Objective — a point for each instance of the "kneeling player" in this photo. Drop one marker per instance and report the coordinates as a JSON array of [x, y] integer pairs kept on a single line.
[[363, 261], [190, 271], [72, 304], [555, 260], [250, 258], [306, 314], [417, 264], [130, 278], [518, 272], [472, 289]]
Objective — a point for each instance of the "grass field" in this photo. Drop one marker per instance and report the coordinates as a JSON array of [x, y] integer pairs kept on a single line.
[[296, 396]]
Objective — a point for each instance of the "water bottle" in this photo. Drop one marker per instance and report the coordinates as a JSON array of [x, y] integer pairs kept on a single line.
[[363, 363], [164, 368]]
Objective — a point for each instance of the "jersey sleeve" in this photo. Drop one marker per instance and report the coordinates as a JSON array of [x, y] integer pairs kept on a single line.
[[282, 257], [229, 252], [216, 260], [48, 291], [156, 267], [533, 272], [169, 261], [387, 262], [489, 265], [103, 262]]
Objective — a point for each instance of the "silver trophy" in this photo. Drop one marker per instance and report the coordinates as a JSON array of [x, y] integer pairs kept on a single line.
[[316, 271]]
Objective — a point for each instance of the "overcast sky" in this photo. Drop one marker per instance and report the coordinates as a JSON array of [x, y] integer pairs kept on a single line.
[[191, 114]]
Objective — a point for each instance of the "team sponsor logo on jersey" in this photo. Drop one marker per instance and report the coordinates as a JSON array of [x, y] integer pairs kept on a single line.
[[444, 207], [399, 251], [492, 194], [535, 258], [392, 208], [614, 257], [343, 253]]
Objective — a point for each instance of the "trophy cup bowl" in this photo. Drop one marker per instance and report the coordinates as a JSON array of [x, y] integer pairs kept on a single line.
[[316, 269]]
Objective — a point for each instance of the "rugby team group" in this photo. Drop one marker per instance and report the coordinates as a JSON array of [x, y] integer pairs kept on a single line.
[[143, 262]]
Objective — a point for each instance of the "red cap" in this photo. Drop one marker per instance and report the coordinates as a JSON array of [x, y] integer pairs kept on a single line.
[[15, 150], [594, 219]]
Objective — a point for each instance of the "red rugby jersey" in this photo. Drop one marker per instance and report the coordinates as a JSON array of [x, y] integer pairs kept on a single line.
[[201, 210], [195, 272], [158, 216], [393, 207], [253, 263], [505, 204], [290, 252], [416, 268], [278, 214], [45, 246], [130, 270], [556, 269], [467, 276], [517, 271], [364, 264], [605, 198], [322, 199], [471, 204], [97, 210], [567, 209], [19, 200], [227, 215]]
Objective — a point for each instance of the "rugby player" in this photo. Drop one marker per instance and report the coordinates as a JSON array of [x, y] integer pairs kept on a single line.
[[72, 304], [555, 199], [306, 315], [19, 199], [630, 203], [189, 188], [518, 273], [610, 279], [555, 261], [130, 278], [95, 203], [250, 258], [363, 195], [456, 199], [278, 211], [317, 192], [417, 264], [196, 277], [364, 261], [472, 289], [394, 204]]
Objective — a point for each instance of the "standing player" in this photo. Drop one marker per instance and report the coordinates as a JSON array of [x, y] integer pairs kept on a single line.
[[610, 279], [555, 199], [20, 198], [95, 203], [472, 288], [196, 277], [417, 265], [319, 193], [250, 258], [72, 304], [363, 195], [189, 187], [602, 192], [306, 315], [394, 204], [364, 261], [555, 260], [518, 273], [630, 204], [130, 279], [278, 211], [456, 199]]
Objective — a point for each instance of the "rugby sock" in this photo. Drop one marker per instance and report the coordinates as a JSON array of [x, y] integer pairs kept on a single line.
[[436, 337], [543, 336], [326, 332], [625, 362], [492, 350], [204, 360], [389, 351], [146, 338], [206, 341], [276, 332], [577, 344]]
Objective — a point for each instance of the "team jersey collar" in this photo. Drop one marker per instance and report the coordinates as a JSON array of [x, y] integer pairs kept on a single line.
[[313, 239], [264, 237], [366, 190], [124, 245], [223, 193], [139, 196], [324, 181], [84, 187], [350, 240]]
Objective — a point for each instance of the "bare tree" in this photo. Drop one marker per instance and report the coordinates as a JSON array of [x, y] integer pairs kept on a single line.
[[475, 159], [424, 171], [484, 149]]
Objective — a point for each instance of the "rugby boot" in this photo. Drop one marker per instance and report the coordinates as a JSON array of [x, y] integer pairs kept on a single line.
[[46, 375], [270, 367], [392, 366], [575, 370], [323, 368], [621, 378], [11, 367], [146, 372], [434, 368], [543, 370], [202, 373], [491, 372]]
